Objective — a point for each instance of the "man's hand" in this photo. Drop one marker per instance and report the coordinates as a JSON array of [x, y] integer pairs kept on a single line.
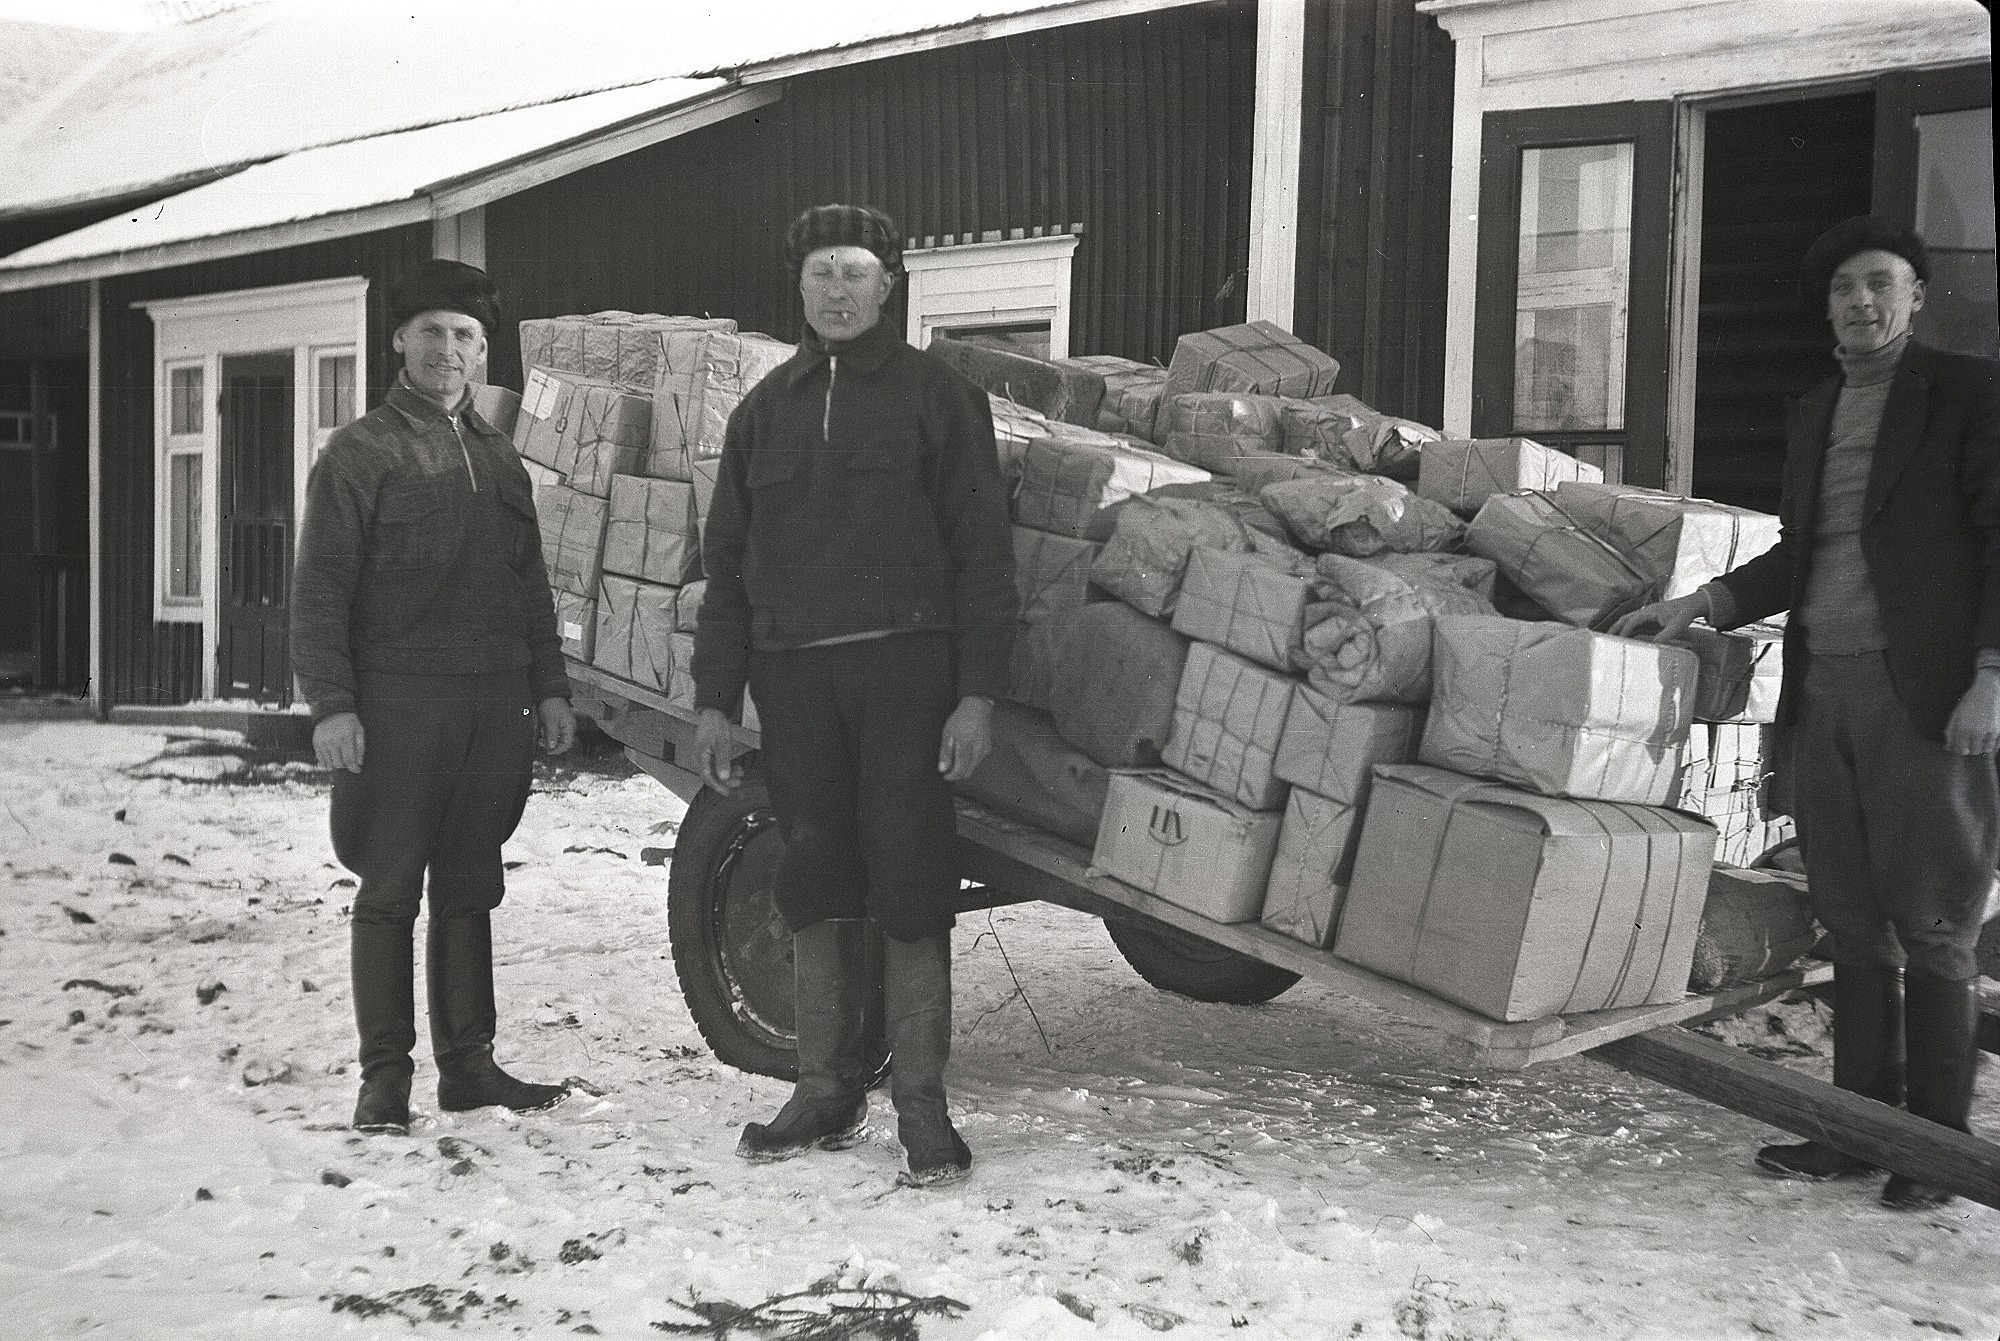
[[556, 723], [1671, 617], [717, 751], [1974, 727], [339, 742], [968, 737]]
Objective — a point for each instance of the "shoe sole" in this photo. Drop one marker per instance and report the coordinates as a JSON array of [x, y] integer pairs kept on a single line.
[[556, 1102], [840, 1140], [383, 1128], [937, 1178]]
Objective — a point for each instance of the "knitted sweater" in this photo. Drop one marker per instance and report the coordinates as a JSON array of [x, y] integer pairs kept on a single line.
[[419, 554]]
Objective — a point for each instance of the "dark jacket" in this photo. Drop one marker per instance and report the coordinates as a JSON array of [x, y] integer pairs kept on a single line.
[[419, 555], [1930, 531], [857, 492]]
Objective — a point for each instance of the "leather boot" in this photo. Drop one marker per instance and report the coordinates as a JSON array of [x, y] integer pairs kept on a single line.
[[916, 998], [458, 964], [1941, 1017], [830, 993], [385, 1018], [1867, 1060]]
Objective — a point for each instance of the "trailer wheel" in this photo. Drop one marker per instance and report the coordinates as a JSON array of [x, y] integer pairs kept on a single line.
[[1174, 961]]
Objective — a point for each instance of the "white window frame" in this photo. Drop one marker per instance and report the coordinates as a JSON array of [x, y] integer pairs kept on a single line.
[[1009, 282], [316, 432], [167, 607], [305, 320]]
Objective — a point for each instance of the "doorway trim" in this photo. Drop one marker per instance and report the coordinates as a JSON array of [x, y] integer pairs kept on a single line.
[[199, 331]]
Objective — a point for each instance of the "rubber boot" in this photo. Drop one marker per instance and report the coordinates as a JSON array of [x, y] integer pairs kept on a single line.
[[1867, 1060], [829, 1102], [916, 998], [458, 966], [1941, 1017], [385, 1018]]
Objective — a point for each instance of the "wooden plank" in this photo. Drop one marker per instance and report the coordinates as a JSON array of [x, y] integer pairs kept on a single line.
[[1814, 1109]]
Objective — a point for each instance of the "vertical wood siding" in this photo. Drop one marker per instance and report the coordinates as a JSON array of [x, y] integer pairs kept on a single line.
[[1138, 129], [1374, 190], [144, 661]]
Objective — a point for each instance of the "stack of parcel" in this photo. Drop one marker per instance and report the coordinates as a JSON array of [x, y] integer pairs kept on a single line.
[[621, 423], [1282, 657]]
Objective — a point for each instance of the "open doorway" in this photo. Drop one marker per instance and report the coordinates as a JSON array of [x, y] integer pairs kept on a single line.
[[1775, 176]]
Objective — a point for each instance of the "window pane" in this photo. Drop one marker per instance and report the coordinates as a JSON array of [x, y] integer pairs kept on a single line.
[[184, 526], [336, 390], [1022, 337], [1955, 216], [1573, 291], [184, 407]]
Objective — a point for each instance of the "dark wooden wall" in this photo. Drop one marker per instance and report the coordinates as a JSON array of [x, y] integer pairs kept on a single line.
[[146, 662], [1138, 129], [1375, 194]]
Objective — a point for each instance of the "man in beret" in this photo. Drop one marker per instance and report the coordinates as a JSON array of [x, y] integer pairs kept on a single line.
[[1889, 561], [861, 582], [424, 639]]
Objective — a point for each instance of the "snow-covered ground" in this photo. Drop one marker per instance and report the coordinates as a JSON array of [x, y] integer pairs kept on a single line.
[[176, 1069]]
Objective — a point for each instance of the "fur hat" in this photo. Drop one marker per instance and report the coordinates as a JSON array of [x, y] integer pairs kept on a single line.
[[1863, 232], [843, 226], [447, 286]]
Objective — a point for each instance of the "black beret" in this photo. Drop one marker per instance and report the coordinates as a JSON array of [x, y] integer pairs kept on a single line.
[[445, 286], [843, 226], [1863, 232]]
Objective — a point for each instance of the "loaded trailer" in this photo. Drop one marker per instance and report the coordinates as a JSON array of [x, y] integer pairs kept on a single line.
[[733, 957]]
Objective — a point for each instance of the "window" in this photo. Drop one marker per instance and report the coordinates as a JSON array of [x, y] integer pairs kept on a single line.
[[1571, 286], [333, 394], [1955, 217], [183, 458], [1012, 294]]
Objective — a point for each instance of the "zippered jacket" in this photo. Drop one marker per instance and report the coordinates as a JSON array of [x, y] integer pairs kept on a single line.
[[419, 555], [858, 492]]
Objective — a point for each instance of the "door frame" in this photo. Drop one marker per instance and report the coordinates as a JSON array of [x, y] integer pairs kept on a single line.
[[300, 319]]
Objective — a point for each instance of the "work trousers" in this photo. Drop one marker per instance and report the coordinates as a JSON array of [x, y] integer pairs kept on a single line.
[[1900, 835], [850, 750], [445, 773]]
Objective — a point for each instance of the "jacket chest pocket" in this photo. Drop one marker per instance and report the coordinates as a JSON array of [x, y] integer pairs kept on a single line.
[[415, 526]]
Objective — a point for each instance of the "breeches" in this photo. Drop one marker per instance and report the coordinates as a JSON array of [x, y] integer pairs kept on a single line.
[[1900, 835], [850, 746], [445, 773]]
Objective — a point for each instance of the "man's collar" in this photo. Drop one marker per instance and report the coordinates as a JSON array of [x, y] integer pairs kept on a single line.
[[865, 354], [418, 408]]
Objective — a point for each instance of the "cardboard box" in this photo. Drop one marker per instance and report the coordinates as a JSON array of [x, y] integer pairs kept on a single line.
[[1360, 516], [1312, 868], [703, 376], [1131, 391], [540, 479], [1754, 924], [1033, 775], [1051, 573], [1076, 487], [1558, 710], [1247, 603], [576, 624], [1370, 641], [650, 531], [1228, 716], [1211, 429], [573, 524], [1678, 543], [1259, 358], [1568, 571], [499, 406], [1330, 748], [621, 347], [1067, 391], [1522, 906], [1462, 473], [1146, 557], [588, 430], [1343, 429], [1187, 844], [1114, 677], [1742, 672], [634, 623]]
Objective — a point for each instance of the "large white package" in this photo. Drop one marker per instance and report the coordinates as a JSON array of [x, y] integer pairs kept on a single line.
[[635, 624], [1250, 604], [1074, 486], [1567, 570], [1186, 843], [1677, 542], [1330, 748], [1312, 867], [650, 531], [1228, 717], [703, 377], [1462, 473]]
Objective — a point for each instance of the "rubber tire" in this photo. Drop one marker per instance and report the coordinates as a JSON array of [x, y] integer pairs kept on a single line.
[[732, 952], [1174, 961]]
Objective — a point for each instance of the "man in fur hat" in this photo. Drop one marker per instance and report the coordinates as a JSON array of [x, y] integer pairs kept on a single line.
[[861, 582], [424, 638], [1889, 562]]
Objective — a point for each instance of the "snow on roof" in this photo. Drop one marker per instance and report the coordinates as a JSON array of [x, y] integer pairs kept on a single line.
[[358, 175], [184, 102]]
